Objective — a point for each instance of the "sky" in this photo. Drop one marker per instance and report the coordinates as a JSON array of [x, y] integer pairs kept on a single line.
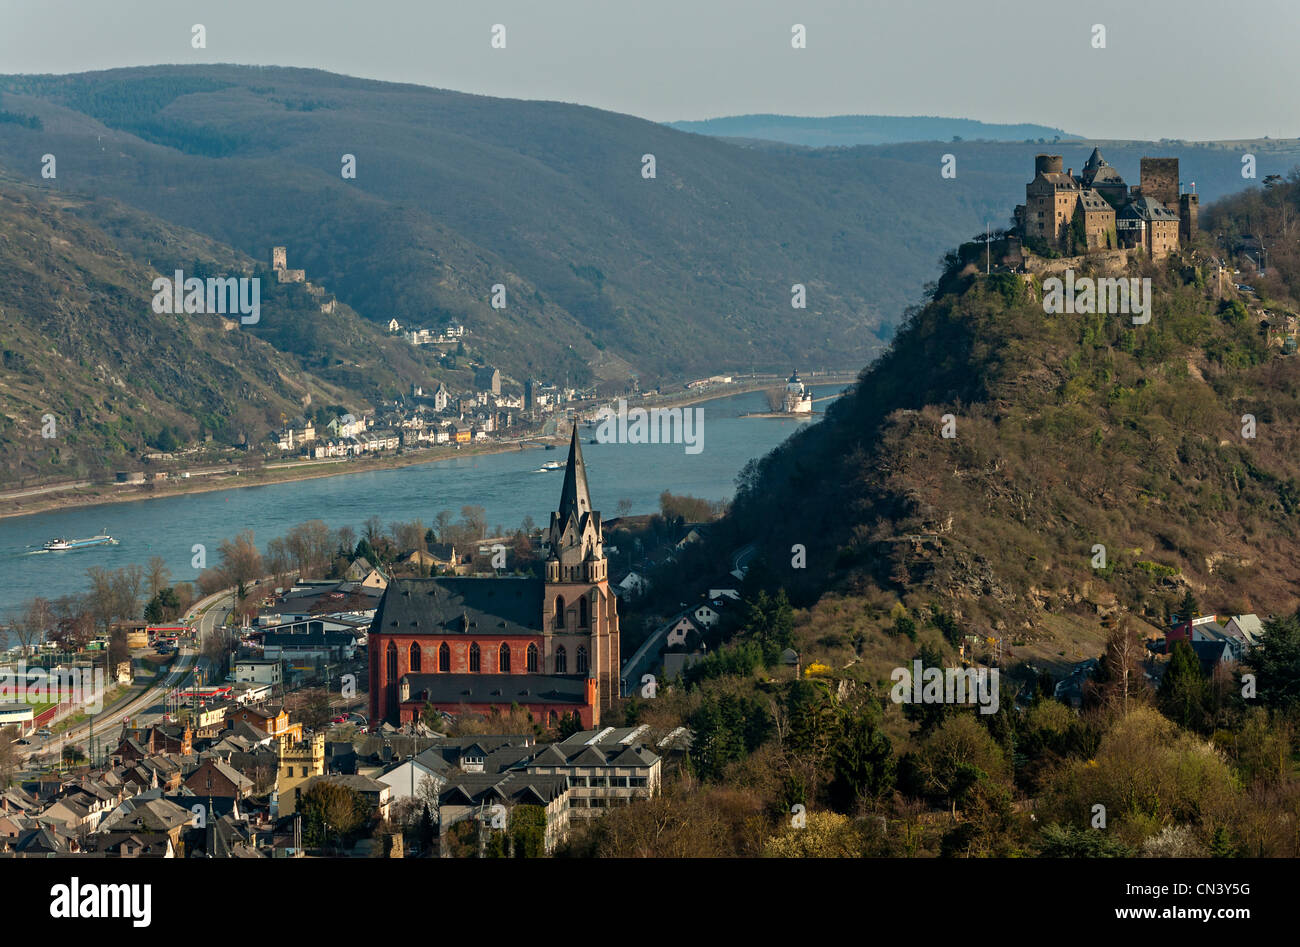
[[1189, 69]]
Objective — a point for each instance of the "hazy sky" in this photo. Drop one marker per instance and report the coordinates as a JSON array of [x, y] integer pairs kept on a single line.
[[1189, 69]]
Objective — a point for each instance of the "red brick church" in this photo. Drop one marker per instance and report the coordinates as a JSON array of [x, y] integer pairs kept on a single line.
[[549, 645]]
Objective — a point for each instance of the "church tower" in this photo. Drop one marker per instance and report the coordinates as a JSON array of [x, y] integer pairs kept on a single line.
[[580, 614]]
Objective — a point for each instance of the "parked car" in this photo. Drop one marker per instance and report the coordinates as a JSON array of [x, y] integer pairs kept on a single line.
[[24, 742], [45, 732], [340, 719]]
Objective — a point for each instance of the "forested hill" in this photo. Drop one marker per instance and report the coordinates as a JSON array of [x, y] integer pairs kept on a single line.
[[1072, 432], [79, 341], [608, 273]]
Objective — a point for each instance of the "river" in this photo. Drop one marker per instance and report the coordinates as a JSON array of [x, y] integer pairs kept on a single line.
[[504, 484]]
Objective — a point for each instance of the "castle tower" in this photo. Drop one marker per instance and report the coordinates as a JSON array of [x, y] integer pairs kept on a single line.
[[1189, 206], [279, 258], [580, 615], [1050, 200], [299, 762], [1159, 181]]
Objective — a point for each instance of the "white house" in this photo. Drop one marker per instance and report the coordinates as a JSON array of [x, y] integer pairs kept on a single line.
[[258, 671], [706, 615]]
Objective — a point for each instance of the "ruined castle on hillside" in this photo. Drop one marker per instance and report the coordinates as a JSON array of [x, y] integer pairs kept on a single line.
[[1097, 211]]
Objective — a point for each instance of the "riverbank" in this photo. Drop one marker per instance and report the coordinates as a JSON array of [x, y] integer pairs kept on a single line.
[[283, 472], [42, 499]]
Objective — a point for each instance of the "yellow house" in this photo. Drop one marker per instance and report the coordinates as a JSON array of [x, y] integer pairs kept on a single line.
[[299, 762]]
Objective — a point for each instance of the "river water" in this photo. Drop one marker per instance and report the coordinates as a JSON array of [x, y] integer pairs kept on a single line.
[[504, 484]]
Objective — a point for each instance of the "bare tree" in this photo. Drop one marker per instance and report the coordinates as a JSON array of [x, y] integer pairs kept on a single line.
[[241, 562], [347, 539], [1125, 681], [157, 575], [127, 584], [33, 624]]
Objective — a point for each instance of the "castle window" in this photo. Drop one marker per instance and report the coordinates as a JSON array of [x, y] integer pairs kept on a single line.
[[415, 656], [582, 612], [474, 661], [503, 659], [559, 612], [561, 661], [444, 658], [582, 660], [532, 659]]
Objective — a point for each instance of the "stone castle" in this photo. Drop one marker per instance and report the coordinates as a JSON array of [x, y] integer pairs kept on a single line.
[[1096, 210]]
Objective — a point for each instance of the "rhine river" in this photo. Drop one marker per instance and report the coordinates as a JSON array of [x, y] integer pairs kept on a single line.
[[505, 485]]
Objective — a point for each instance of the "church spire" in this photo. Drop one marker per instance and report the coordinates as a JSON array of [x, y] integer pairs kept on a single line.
[[574, 498]]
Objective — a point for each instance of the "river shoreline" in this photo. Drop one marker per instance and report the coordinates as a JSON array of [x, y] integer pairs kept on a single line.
[[104, 494]]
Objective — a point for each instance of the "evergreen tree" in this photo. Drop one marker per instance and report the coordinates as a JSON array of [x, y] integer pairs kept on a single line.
[[1277, 661], [1182, 689]]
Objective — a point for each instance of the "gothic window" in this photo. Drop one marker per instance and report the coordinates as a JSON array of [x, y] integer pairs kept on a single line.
[[532, 659], [561, 661], [582, 612], [390, 655], [444, 657], [415, 657], [474, 658], [503, 659], [559, 612], [582, 660]]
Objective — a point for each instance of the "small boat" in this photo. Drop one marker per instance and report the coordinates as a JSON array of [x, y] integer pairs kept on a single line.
[[549, 466], [56, 545], [550, 447]]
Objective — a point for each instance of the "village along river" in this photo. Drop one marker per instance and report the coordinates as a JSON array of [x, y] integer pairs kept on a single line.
[[505, 485]]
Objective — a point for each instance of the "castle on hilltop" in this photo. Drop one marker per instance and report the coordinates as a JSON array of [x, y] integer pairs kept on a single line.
[[1096, 210]]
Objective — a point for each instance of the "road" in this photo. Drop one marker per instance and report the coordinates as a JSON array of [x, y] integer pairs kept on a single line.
[[149, 706]]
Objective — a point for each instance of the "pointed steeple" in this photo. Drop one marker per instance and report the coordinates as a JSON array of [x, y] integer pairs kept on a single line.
[[574, 498]]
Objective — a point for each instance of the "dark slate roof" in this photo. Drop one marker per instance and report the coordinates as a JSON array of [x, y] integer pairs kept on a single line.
[[452, 605], [1146, 208], [575, 500], [514, 786], [1093, 200], [1211, 653], [499, 688]]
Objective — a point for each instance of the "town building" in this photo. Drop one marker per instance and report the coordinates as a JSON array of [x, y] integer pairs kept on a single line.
[[550, 645]]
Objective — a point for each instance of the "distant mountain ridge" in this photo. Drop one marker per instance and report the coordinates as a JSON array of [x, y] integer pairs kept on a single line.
[[848, 130], [607, 273]]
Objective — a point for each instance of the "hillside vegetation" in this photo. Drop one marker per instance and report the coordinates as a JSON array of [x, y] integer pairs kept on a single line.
[[1072, 432], [80, 341], [608, 274]]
